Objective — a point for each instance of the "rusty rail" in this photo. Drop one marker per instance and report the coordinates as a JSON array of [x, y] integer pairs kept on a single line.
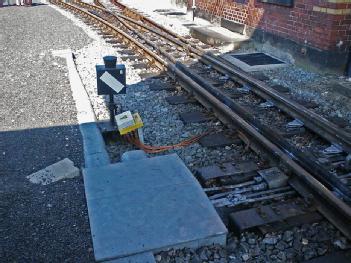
[[311, 120], [334, 209]]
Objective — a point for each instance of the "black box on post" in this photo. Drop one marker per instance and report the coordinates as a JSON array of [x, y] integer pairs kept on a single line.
[[111, 78]]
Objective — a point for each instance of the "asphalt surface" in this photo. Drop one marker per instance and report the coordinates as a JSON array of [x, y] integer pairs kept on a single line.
[[38, 127]]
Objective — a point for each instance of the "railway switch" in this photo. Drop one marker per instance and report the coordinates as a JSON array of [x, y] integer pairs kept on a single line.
[[111, 80]]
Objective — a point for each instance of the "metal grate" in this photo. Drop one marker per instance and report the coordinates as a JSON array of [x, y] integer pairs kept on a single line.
[[255, 59]]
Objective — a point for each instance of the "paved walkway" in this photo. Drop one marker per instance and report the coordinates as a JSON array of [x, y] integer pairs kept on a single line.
[[38, 127]]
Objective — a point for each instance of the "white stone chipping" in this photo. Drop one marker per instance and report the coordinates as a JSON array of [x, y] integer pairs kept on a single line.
[[63, 169], [91, 55], [180, 24], [174, 23]]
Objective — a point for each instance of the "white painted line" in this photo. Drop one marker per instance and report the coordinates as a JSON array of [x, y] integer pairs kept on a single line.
[[95, 153], [85, 112], [112, 82]]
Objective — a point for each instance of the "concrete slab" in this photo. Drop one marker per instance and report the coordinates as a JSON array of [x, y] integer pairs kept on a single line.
[[218, 36], [139, 258], [63, 169], [133, 155], [148, 205]]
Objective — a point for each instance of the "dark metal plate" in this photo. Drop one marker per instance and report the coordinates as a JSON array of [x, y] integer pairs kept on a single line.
[[226, 169], [112, 41], [209, 172], [281, 88], [308, 104], [175, 100], [255, 217], [140, 65], [156, 86], [146, 75], [127, 52], [217, 140], [194, 117], [291, 222], [341, 122], [339, 257], [218, 83], [260, 76], [122, 46], [131, 57], [292, 132], [255, 59]]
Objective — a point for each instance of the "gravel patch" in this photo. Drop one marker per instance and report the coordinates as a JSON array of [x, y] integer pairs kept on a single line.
[[295, 245], [313, 87], [161, 120], [304, 84], [175, 23], [91, 55], [316, 88], [162, 127], [39, 128]]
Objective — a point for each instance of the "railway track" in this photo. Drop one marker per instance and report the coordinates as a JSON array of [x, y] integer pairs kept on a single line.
[[303, 116], [311, 150]]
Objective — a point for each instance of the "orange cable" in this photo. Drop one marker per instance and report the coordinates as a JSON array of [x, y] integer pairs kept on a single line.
[[133, 139]]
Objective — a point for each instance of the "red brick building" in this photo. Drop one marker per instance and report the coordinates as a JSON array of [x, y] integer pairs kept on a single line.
[[315, 30]]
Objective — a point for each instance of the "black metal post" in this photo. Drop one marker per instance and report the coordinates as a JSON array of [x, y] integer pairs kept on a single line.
[[112, 109]]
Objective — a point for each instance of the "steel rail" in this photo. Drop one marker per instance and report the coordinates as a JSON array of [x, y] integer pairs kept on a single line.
[[142, 18], [313, 121], [97, 3], [149, 54], [179, 41], [328, 204], [309, 164]]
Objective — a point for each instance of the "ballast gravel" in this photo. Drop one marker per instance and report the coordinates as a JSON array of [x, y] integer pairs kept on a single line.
[[163, 126], [39, 223], [157, 11], [299, 244], [304, 84]]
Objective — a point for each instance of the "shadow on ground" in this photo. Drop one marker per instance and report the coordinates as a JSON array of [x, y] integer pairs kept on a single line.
[[42, 223]]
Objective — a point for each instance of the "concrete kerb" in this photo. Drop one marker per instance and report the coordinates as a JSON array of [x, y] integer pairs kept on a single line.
[[95, 154]]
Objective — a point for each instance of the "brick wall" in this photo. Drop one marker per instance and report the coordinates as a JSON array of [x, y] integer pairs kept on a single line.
[[323, 24]]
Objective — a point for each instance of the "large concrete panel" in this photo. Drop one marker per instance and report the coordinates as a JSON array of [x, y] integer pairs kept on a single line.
[[147, 257], [218, 36], [148, 205]]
